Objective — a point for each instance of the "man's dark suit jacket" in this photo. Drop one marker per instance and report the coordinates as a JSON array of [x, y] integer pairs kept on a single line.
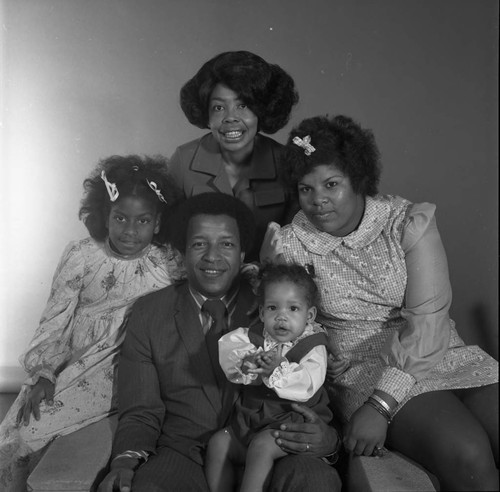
[[167, 389]]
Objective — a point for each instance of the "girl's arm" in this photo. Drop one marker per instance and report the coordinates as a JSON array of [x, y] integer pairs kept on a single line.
[[299, 382], [50, 346], [234, 349], [412, 352]]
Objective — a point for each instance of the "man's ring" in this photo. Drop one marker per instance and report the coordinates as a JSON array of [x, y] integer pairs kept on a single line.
[[378, 451], [307, 446]]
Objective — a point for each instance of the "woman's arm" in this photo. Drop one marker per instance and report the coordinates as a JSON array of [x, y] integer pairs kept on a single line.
[[412, 352]]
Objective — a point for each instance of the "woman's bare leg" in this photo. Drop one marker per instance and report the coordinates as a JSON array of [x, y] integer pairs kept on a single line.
[[437, 430]]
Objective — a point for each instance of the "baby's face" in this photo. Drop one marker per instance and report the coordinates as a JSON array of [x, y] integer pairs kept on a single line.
[[285, 311]]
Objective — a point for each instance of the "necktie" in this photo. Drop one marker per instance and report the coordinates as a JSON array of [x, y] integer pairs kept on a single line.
[[217, 310]]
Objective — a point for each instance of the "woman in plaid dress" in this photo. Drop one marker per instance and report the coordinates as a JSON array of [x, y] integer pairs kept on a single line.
[[409, 379]]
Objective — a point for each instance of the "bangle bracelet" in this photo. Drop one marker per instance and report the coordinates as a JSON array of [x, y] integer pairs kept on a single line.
[[382, 402], [380, 410]]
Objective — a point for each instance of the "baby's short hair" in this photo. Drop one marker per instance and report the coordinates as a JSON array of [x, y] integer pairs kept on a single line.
[[292, 272]]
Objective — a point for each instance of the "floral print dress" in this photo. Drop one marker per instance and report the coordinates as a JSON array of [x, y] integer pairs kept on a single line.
[[77, 342], [385, 297]]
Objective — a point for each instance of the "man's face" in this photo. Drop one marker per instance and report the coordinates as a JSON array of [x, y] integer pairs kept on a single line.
[[213, 254]]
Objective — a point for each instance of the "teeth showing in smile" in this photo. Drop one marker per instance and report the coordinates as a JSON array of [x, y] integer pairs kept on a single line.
[[233, 134], [211, 272]]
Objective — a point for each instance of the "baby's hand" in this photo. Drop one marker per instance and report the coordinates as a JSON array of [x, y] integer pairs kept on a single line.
[[248, 363], [268, 362]]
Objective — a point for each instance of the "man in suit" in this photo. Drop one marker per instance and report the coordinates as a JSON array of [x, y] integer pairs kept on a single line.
[[172, 394]]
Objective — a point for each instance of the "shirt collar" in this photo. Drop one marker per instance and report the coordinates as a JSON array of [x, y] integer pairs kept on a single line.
[[229, 299], [111, 252], [374, 219], [208, 158]]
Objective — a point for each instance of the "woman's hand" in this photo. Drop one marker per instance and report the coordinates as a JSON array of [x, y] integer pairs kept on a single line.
[[313, 437], [42, 390], [365, 432], [337, 365]]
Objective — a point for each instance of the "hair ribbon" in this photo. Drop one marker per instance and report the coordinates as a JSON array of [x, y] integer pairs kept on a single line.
[[305, 143], [154, 187], [110, 187]]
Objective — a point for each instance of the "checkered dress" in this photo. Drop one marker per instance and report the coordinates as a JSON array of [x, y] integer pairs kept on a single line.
[[362, 279]]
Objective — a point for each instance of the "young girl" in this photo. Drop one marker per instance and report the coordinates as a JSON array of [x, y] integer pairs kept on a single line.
[[281, 363], [72, 358]]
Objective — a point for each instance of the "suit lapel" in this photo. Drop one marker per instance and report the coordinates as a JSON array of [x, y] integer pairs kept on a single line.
[[207, 160], [190, 331], [244, 303]]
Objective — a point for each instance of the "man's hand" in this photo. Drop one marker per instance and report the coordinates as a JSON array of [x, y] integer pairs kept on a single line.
[[42, 390], [120, 476], [313, 437]]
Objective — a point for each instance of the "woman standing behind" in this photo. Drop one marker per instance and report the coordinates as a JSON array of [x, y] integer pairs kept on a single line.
[[383, 278], [237, 95]]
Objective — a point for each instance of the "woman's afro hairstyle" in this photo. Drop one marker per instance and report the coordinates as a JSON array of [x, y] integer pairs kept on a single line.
[[130, 174], [211, 203], [339, 141], [265, 88], [296, 274]]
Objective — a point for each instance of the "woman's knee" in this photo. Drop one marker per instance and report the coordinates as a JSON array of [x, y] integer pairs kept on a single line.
[[473, 455]]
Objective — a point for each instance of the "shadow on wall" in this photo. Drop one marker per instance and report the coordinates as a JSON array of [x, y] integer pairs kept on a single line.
[[485, 334]]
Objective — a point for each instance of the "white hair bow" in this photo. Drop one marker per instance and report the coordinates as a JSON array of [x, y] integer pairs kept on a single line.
[[111, 187], [305, 143]]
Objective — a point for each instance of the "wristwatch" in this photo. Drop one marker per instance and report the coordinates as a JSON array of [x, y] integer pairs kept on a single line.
[[332, 458]]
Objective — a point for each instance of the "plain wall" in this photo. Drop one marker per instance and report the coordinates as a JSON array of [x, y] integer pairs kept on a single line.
[[84, 79]]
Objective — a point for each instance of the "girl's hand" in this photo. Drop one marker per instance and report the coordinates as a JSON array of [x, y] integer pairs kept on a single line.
[[365, 432], [43, 389], [337, 365]]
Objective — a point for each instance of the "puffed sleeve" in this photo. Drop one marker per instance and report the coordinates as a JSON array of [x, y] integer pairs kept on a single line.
[[299, 382], [233, 347], [271, 250], [49, 348], [412, 352]]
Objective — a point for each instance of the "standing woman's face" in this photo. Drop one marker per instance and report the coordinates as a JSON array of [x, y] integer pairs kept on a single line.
[[232, 123], [329, 202]]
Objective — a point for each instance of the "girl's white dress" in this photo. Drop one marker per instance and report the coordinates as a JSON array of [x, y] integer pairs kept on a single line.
[[386, 293], [77, 343]]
